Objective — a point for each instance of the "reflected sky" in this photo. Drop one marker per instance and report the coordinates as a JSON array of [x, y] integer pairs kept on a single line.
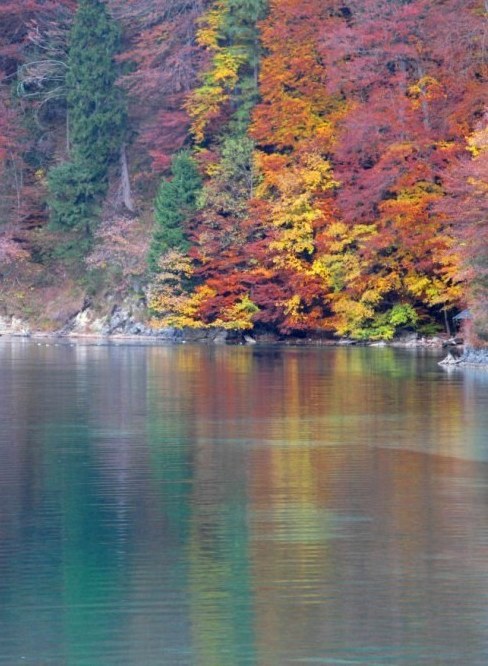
[[219, 506]]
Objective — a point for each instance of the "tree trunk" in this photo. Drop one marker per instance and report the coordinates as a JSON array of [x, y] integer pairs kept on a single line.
[[423, 99], [68, 140], [125, 182], [446, 323]]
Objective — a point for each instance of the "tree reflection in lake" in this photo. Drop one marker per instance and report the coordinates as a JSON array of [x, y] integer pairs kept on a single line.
[[208, 506]]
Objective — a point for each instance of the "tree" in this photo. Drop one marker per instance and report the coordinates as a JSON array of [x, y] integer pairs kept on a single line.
[[220, 111], [229, 85], [21, 190], [175, 202], [294, 126], [164, 61], [467, 209], [96, 113], [413, 77]]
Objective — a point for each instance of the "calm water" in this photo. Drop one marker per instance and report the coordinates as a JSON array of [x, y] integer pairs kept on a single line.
[[241, 506]]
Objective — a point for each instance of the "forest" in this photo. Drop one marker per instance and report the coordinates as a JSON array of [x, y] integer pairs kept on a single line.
[[294, 166]]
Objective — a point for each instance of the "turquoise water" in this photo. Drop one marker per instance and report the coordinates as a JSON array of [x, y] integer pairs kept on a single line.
[[226, 506]]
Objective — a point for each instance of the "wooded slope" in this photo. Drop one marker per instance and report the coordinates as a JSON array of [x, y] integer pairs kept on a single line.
[[291, 165]]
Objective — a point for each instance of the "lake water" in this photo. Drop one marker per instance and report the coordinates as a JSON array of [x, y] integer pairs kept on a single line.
[[241, 506]]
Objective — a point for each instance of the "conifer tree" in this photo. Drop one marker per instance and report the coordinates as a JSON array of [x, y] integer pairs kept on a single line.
[[175, 201], [96, 116], [240, 31]]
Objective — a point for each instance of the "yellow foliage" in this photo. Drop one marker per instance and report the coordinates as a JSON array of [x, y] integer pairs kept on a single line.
[[371, 297], [238, 317], [226, 67], [173, 265], [350, 314], [204, 103], [220, 79], [316, 174], [426, 88], [478, 142], [211, 23], [167, 298], [181, 310], [292, 305]]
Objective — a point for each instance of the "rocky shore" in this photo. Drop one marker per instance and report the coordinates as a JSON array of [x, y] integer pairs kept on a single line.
[[471, 357], [126, 323]]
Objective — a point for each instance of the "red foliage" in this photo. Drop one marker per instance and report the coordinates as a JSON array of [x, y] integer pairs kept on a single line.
[[163, 66], [467, 209], [20, 190], [413, 76], [294, 126]]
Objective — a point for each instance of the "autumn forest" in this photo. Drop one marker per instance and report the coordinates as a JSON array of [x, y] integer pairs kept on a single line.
[[292, 166]]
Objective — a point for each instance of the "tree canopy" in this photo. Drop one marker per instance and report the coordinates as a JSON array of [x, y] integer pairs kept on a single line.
[[297, 165]]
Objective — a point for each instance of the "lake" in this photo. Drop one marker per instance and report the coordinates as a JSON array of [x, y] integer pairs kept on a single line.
[[221, 506]]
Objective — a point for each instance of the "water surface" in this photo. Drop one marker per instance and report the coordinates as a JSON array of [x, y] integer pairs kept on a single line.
[[241, 506]]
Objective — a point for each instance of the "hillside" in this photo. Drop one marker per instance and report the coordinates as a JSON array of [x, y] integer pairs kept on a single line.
[[286, 166]]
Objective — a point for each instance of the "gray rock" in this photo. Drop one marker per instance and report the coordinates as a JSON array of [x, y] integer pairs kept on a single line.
[[450, 360], [14, 326], [220, 338], [167, 334], [474, 356]]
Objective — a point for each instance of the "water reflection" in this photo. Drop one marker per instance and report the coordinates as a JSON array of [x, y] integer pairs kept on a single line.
[[225, 506]]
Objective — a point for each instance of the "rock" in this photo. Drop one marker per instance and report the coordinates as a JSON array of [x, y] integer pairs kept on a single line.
[[202, 335], [453, 342], [450, 360], [84, 323], [119, 321], [268, 338], [477, 357], [167, 334], [249, 340], [346, 341], [14, 326], [407, 340], [220, 338]]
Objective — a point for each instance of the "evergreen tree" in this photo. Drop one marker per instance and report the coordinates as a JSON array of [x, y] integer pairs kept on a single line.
[[175, 201], [96, 115], [95, 105], [240, 32]]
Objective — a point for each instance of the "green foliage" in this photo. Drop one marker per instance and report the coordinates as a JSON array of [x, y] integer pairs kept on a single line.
[[233, 180], [385, 325], [93, 281], [97, 116], [174, 203], [76, 192], [95, 105], [69, 252], [229, 87], [429, 328], [241, 32]]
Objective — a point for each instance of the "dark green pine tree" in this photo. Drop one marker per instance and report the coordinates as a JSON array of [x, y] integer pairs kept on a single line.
[[240, 31], [96, 117], [175, 201]]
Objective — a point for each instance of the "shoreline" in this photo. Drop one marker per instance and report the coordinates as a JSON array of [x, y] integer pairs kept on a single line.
[[122, 326], [465, 358], [233, 338]]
